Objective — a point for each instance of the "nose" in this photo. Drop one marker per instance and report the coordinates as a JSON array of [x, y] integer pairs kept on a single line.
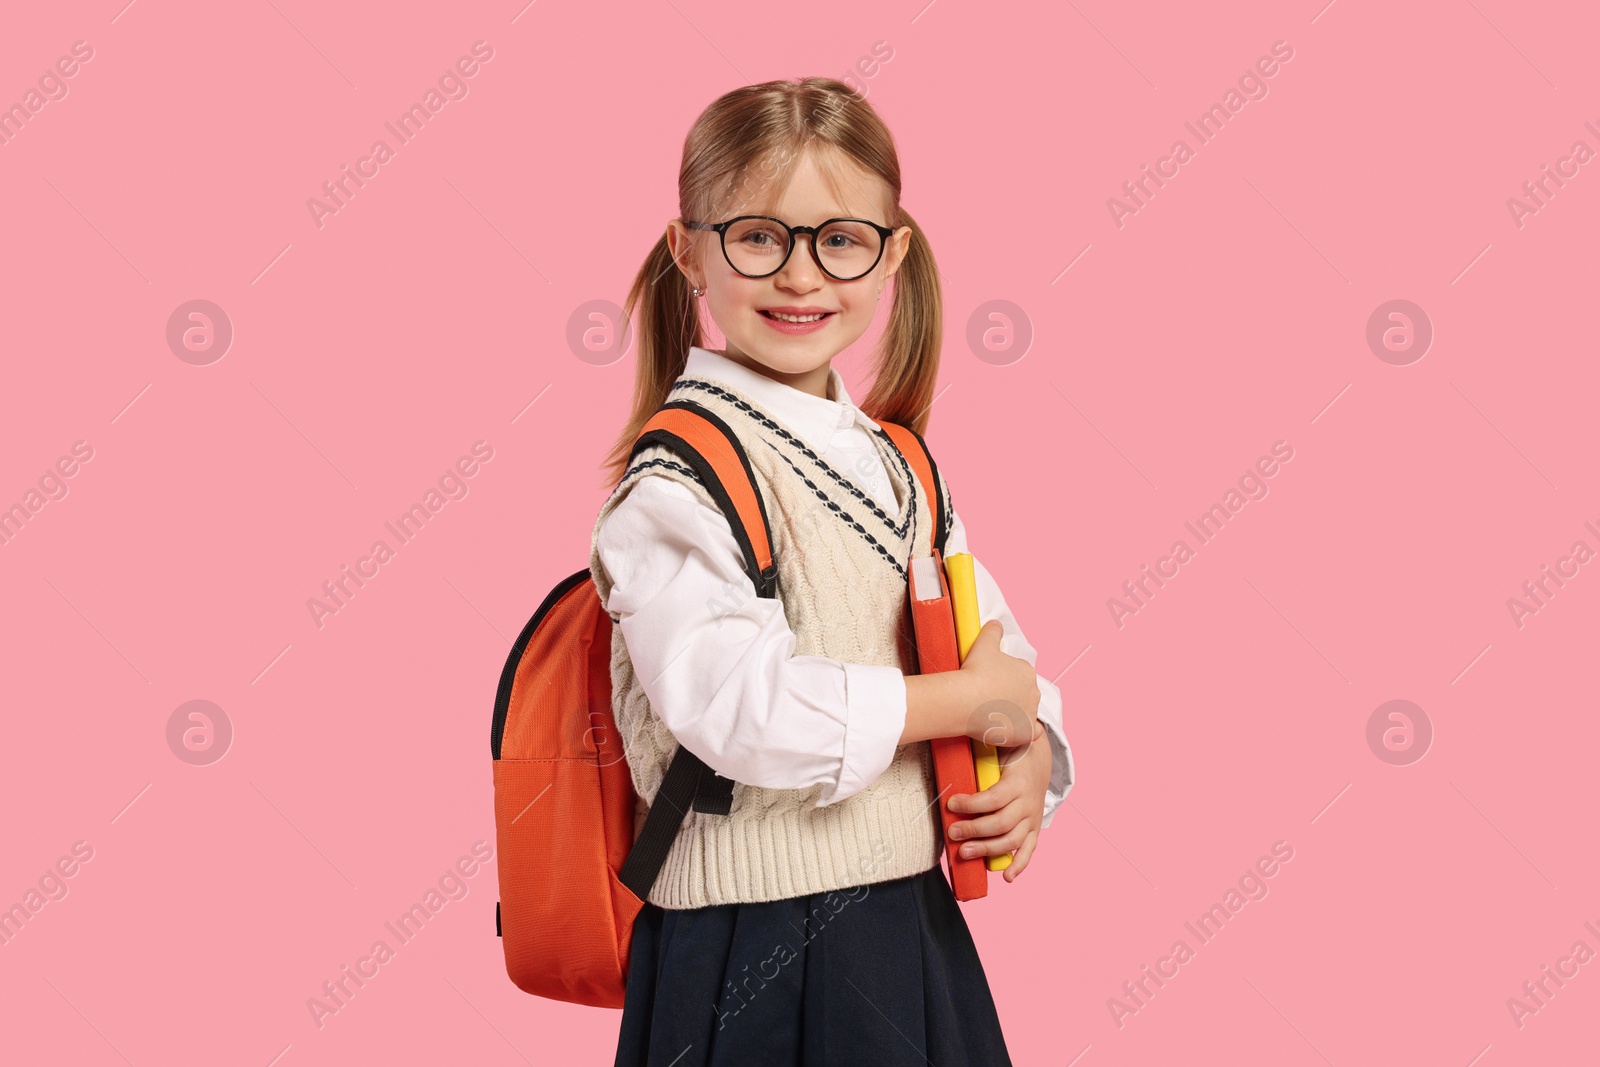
[[802, 269]]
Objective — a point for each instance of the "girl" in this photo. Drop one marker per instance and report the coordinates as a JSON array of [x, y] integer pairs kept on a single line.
[[812, 924]]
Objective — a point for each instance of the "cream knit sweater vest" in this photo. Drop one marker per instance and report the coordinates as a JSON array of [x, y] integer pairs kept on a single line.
[[842, 564]]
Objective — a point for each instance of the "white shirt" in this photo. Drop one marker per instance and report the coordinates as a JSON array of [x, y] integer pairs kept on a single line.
[[717, 662]]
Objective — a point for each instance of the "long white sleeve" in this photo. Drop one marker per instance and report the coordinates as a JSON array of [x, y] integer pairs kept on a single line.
[[717, 662], [992, 605]]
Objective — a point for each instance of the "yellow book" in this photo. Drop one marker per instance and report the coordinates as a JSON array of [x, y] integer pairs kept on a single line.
[[964, 599]]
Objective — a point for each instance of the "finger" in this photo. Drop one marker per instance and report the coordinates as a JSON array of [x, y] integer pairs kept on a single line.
[[994, 798], [988, 825], [1020, 861], [995, 846]]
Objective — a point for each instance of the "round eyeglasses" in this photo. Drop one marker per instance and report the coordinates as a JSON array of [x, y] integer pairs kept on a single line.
[[757, 246]]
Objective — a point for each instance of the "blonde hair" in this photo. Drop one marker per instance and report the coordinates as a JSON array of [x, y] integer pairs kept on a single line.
[[767, 127]]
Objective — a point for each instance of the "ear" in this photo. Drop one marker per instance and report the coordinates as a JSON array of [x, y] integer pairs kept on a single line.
[[681, 243], [895, 250]]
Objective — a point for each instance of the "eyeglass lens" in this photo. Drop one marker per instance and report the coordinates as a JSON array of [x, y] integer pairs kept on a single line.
[[847, 249]]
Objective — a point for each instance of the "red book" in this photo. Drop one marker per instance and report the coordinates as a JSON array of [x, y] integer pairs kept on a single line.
[[934, 622]]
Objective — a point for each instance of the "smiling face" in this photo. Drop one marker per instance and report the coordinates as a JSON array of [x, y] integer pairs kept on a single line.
[[748, 310]]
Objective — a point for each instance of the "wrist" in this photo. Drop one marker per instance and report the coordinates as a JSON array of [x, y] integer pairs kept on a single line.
[[937, 705]]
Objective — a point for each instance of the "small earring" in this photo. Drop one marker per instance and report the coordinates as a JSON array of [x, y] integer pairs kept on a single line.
[[697, 292]]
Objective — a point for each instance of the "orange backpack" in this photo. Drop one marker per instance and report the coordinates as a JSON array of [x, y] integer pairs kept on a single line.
[[572, 877]]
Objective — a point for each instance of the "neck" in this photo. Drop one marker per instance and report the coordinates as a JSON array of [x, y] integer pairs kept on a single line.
[[815, 381]]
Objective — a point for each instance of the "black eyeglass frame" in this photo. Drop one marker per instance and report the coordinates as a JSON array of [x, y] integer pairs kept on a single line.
[[721, 229]]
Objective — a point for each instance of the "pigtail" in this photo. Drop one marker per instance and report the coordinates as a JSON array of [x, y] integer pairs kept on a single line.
[[667, 326], [908, 352]]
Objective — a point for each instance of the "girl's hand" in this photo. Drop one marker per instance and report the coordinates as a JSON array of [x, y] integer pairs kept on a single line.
[[1016, 802], [1008, 711]]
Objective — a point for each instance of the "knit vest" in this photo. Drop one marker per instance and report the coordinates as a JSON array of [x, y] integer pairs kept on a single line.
[[842, 579]]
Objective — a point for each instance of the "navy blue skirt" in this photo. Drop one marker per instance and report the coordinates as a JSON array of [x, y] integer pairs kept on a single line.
[[884, 974]]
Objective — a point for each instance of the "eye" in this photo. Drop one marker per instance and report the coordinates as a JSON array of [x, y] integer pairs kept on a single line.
[[757, 235]]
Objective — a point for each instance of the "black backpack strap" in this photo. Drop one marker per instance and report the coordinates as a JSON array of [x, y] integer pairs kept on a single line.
[[711, 449]]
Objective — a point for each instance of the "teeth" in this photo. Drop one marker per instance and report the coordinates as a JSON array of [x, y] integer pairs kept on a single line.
[[794, 318]]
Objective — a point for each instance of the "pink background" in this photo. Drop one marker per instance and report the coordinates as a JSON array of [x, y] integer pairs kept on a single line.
[[433, 311]]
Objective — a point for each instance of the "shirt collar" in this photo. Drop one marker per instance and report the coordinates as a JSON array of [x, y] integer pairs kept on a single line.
[[814, 418]]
